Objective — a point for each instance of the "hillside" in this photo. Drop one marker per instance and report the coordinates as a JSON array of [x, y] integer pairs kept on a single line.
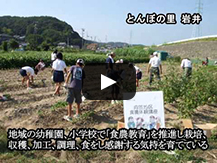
[[48, 29], [194, 49]]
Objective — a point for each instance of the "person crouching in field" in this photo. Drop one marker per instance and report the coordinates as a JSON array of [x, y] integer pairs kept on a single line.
[[186, 65], [58, 75], [138, 73], [27, 73], [40, 66], [154, 67], [74, 88]]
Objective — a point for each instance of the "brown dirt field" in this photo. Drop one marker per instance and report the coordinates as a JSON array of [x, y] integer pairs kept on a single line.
[[32, 109]]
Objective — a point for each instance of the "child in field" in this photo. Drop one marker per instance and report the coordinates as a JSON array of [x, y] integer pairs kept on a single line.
[[53, 57], [58, 76], [40, 66], [74, 88], [27, 73], [138, 73]]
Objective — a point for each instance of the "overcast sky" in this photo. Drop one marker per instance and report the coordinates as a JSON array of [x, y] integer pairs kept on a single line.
[[107, 18]]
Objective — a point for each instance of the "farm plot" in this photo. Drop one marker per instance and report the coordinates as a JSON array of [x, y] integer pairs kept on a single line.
[[39, 109]]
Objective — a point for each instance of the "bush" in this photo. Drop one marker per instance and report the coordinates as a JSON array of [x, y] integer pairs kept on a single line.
[[13, 44], [20, 59], [175, 59], [189, 93], [134, 51], [4, 46]]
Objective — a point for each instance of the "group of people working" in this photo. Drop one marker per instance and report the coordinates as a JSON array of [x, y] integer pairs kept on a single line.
[[74, 79], [75, 76]]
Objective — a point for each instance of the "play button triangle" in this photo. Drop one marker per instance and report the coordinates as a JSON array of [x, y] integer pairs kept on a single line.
[[106, 82]]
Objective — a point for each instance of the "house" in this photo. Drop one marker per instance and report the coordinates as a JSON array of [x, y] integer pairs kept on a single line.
[[62, 44], [5, 37], [92, 46]]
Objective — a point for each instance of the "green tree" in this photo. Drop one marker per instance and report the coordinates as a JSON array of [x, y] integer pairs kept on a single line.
[[45, 46], [5, 46], [34, 41], [13, 44], [6, 30], [52, 36], [30, 30]]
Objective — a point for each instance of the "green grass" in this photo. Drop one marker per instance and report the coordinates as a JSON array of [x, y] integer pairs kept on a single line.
[[60, 104], [87, 116], [196, 40], [40, 113]]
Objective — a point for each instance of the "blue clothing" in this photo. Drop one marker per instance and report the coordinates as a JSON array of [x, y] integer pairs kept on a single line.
[[109, 60], [77, 77]]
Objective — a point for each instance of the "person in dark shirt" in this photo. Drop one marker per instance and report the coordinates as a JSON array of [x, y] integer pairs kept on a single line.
[[74, 88], [109, 63], [116, 75]]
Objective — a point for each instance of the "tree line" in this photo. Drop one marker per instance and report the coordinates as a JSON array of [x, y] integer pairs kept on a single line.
[[41, 31]]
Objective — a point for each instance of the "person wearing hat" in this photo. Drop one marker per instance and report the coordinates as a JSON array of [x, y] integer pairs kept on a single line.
[[76, 76], [59, 67], [27, 73], [154, 67], [186, 65], [110, 62]]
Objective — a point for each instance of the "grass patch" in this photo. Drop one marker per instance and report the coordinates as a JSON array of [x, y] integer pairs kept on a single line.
[[3, 140], [40, 113], [60, 104], [87, 116]]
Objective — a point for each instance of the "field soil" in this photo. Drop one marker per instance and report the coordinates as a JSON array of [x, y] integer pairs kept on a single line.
[[33, 109]]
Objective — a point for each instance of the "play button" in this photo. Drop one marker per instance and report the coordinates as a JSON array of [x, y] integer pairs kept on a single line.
[[106, 82], [101, 83]]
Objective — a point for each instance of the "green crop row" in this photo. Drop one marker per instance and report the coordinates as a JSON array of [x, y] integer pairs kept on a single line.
[[189, 93], [134, 51], [20, 59]]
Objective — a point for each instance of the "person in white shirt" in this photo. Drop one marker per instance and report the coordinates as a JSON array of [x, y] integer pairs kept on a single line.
[[58, 75], [27, 73], [186, 65], [154, 67], [53, 56]]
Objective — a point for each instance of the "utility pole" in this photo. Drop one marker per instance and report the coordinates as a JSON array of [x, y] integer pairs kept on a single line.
[[82, 35], [35, 28], [131, 33], [197, 28], [106, 38], [68, 41]]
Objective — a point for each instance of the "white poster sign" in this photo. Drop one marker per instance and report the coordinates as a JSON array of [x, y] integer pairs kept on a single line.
[[145, 110]]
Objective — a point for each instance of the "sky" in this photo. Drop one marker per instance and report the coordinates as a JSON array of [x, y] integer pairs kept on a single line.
[[105, 20]]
